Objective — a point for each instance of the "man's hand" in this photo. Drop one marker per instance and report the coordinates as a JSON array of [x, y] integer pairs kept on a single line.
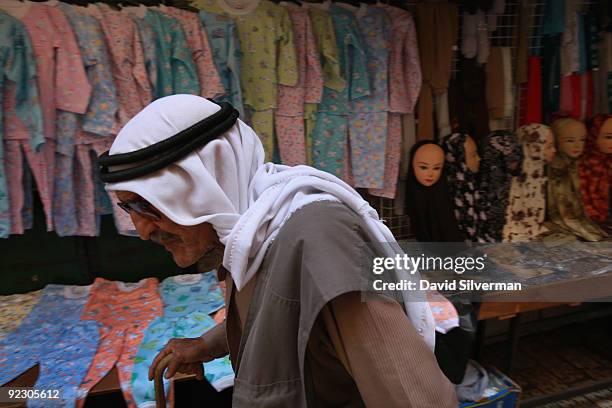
[[188, 356]]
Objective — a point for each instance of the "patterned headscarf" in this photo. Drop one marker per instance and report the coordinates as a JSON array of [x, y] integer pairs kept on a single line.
[[463, 188], [526, 213], [595, 171], [502, 157], [564, 204]]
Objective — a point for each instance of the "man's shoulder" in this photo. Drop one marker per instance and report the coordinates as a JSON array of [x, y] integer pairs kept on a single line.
[[321, 219]]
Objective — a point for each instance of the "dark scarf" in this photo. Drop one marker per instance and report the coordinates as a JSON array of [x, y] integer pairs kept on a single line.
[[463, 187], [429, 208], [502, 159]]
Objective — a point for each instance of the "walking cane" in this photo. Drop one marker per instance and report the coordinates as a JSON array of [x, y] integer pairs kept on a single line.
[[160, 396]]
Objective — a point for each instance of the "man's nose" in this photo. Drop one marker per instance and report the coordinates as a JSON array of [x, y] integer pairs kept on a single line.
[[144, 226]]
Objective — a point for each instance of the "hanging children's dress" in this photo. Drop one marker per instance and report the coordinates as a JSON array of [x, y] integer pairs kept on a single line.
[[74, 210], [368, 118], [327, 48], [176, 70], [268, 59], [130, 77], [289, 117], [63, 85], [18, 89], [404, 87], [127, 62], [223, 37], [210, 81], [148, 41], [329, 140]]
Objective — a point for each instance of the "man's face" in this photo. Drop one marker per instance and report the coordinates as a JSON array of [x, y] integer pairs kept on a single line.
[[187, 244]]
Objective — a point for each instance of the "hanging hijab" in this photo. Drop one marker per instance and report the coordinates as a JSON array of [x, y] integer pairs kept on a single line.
[[227, 184], [595, 171], [565, 208], [463, 187], [502, 157], [526, 212], [429, 208]]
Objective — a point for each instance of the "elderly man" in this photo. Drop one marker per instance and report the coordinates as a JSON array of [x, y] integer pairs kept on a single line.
[[287, 242]]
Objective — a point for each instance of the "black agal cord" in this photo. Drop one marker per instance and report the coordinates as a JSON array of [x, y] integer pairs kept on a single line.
[[161, 154]]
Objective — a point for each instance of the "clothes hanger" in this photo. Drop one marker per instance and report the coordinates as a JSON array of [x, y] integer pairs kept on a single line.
[[10, 2], [150, 3], [180, 4], [398, 3], [126, 3], [349, 2], [117, 4], [183, 5]]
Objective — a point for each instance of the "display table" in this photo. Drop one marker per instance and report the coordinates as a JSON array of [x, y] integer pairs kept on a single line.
[[579, 272], [566, 275]]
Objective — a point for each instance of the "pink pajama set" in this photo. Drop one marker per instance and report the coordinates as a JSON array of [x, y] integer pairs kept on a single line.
[[73, 195], [124, 311], [404, 88], [133, 94], [62, 84], [197, 40], [289, 116]]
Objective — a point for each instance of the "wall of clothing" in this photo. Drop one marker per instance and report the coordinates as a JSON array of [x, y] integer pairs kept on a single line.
[[79, 333], [567, 67], [346, 88]]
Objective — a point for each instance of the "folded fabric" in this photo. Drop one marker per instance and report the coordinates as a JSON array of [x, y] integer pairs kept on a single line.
[[218, 372], [474, 384], [14, 308]]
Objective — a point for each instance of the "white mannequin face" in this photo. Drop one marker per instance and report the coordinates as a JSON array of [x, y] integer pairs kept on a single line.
[[604, 139], [571, 139], [428, 163], [472, 159]]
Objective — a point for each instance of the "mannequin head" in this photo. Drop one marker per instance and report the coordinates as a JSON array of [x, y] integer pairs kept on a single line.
[[549, 146], [538, 143], [472, 159], [427, 164], [603, 142], [570, 135]]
